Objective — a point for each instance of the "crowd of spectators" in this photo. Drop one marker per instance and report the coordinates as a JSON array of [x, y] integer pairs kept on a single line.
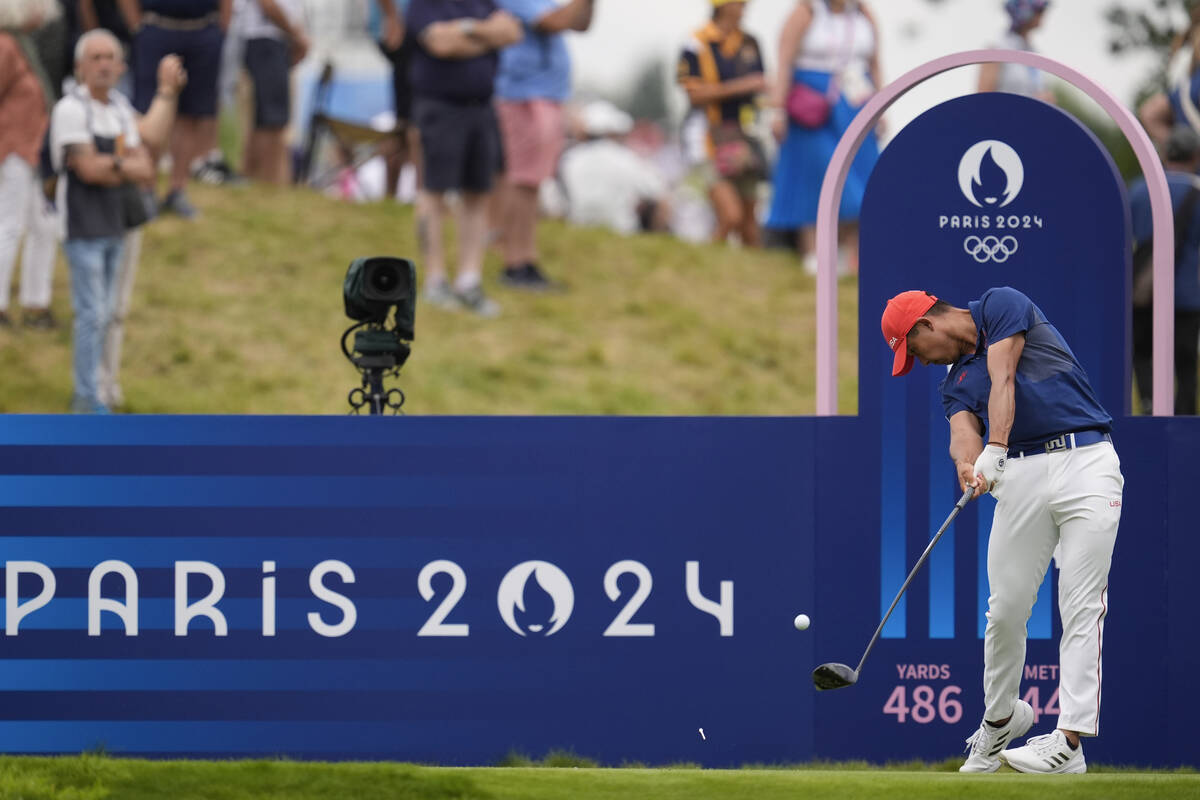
[[486, 122]]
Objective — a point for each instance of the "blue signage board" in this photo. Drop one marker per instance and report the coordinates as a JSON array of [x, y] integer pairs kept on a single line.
[[434, 590], [451, 590]]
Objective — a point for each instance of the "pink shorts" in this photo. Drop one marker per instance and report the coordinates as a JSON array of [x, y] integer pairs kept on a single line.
[[533, 139]]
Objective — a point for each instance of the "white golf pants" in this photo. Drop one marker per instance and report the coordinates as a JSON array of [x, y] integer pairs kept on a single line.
[[1065, 504], [23, 210]]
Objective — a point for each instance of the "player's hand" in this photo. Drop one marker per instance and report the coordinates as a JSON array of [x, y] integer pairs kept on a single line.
[[989, 467], [967, 477]]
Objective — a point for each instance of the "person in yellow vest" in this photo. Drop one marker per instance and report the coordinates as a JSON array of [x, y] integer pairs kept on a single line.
[[721, 69]]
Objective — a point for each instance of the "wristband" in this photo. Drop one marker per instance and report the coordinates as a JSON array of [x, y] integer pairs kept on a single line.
[[998, 444]]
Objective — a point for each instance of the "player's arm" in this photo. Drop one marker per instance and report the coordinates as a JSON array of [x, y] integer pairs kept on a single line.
[[1002, 361], [966, 443], [574, 16]]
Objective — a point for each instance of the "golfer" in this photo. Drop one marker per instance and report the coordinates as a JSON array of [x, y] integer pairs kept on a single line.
[[1049, 461]]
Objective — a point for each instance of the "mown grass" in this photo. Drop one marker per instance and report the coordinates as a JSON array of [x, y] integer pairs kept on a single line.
[[241, 312], [97, 778]]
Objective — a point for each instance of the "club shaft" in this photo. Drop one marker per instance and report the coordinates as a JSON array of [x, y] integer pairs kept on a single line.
[[962, 502]]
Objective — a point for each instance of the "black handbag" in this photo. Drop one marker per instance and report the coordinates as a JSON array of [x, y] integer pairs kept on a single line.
[[133, 206]]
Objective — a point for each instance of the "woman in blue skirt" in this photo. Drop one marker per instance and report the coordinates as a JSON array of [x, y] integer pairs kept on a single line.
[[823, 41]]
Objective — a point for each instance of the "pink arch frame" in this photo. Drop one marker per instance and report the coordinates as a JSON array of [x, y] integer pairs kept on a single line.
[[843, 156]]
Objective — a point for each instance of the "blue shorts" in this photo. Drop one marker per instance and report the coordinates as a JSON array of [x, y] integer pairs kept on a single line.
[[269, 61], [201, 54], [460, 144]]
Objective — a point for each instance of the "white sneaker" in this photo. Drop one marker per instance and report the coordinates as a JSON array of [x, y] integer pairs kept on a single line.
[[986, 744], [1046, 754], [440, 295]]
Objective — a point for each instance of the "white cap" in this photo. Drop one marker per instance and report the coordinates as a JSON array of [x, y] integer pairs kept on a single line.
[[602, 118]]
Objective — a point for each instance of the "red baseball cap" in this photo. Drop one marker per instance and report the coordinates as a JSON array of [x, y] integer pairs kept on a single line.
[[899, 317]]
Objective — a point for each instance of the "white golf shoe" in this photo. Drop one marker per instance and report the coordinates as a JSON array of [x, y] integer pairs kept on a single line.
[[986, 744], [1046, 754]]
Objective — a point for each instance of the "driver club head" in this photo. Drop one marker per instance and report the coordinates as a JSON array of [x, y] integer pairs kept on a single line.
[[834, 676]]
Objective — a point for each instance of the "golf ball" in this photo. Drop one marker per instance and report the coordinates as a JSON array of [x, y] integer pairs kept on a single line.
[[801, 622]]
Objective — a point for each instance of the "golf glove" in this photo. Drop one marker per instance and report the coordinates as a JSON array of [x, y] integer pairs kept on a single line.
[[990, 465]]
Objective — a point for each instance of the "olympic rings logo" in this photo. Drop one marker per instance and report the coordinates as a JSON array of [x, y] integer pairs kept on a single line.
[[990, 248]]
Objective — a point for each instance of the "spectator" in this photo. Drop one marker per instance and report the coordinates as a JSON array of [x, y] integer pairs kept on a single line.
[[195, 30], [1162, 111], [533, 83], [108, 14], [453, 78], [830, 48], [397, 47], [154, 128], [275, 42], [1025, 16], [26, 94], [96, 146], [607, 183], [721, 69], [1182, 159]]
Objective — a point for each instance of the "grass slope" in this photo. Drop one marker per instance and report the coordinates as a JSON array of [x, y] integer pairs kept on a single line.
[[241, 313], [95, 778]]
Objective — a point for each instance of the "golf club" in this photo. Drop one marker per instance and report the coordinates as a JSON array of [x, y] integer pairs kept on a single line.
[[839, 676]]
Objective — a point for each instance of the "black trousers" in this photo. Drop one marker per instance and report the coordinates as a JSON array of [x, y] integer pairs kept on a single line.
[[1187, 332]]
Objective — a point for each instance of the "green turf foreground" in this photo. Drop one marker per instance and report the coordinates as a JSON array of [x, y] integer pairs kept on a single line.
[[92, 778]]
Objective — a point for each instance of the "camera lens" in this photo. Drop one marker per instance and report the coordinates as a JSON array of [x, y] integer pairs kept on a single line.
[[384, 278]]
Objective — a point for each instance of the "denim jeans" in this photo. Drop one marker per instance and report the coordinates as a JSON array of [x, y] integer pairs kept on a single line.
[[94, 264]]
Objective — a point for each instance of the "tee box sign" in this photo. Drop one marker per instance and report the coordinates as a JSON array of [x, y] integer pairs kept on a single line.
[[984, 190], [1001, 190]]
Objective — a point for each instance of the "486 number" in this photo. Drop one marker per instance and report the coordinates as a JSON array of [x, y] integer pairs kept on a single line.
[[923, 709]]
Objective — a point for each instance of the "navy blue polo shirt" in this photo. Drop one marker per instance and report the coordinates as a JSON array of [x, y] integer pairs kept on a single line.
[[181, 9], [470, 80], [1053, 395]]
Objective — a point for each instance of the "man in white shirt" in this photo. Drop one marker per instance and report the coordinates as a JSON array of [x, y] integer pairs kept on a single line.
[[96, 148], [608, 184]]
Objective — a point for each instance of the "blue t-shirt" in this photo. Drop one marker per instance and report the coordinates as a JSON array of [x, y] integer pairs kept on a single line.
[[538, 66], [181, 9], [1052, 394], [470, 80], [1187, 260]]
